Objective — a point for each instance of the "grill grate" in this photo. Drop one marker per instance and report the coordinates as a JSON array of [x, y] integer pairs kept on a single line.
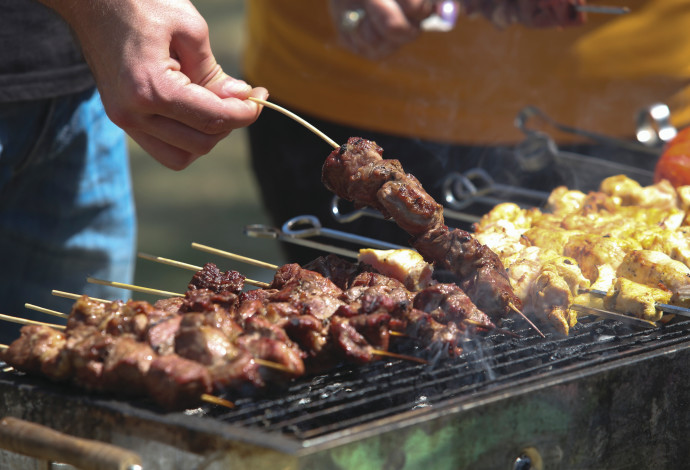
[[348, 397]]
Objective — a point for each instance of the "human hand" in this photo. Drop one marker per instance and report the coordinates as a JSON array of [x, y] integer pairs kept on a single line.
[[531, 13], [157, 76], [385, 25]]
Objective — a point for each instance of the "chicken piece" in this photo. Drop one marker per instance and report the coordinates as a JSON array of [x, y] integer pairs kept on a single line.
[[405, 265], [674, 243], [592, 250], [622, 187], [563, 200], [605, 278], [636, 299], [523, 268], [656, 269], [661, 195], [551, 298], [554, 290], [552, 238], [520, 218], [503, 237], [683, 198]]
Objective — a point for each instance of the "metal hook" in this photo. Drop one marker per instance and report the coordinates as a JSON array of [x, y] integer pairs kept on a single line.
[[314, 228]]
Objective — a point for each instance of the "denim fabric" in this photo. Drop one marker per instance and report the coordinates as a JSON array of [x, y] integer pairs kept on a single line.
[[66, 205]]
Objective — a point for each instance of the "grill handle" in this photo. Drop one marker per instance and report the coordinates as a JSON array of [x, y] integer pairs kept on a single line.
[[40, 442]]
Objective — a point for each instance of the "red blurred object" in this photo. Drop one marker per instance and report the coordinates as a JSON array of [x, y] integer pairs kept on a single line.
[[674, 163]]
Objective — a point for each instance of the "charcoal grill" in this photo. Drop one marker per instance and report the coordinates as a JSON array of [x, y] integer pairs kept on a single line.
[[609, 396]]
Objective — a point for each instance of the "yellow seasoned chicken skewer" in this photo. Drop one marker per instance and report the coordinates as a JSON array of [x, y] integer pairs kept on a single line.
[[600, 232]]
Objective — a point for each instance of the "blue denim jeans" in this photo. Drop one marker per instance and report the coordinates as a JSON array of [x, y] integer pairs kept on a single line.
[[66, 205]]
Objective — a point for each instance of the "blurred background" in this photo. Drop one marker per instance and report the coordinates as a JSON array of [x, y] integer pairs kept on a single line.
[[211, 201]]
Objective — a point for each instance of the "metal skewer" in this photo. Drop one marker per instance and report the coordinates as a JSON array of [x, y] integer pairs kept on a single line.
[[659, 306], [602, 9]]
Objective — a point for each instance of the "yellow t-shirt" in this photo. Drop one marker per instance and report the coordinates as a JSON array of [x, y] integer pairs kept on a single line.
[[467, 86]]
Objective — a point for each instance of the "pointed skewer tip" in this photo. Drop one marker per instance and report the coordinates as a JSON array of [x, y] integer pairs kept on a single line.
[[519, 312]]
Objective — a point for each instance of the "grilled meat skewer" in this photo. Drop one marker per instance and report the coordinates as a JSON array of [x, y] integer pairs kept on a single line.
[[357, 172]]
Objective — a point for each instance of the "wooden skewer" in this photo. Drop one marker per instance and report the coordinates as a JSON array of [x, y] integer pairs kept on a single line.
[[517, 310], [121, 285], [68, 295], [46, 310], [292, 115], [25, 321], [227, 254], [192, 267], [217, 400], [381, 352], [273, 365]]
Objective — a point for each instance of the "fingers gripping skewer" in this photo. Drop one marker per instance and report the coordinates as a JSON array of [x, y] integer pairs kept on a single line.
[[296, 118]]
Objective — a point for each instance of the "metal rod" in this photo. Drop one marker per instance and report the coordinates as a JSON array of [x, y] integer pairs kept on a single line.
[[602, 9], [663, 307], [614, 316]]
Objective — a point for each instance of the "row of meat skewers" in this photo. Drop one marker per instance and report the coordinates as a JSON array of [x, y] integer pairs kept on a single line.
[[219, 338]]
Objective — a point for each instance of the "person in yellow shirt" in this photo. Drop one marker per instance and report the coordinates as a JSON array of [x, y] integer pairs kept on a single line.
[[442, 102]]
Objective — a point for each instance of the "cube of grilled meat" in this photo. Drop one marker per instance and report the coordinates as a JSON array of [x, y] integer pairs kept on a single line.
[[161, 335], [87, 348], [39, 350], [134, 318], [369, 290], [240, 374], [308, 291], [212, 278], [374, 328], [309, 333], [206, 300], [356, 171], [90, 312], [177, 383], [338, 270], [480, 272], [202, 343], [350, 344], [171, 305], [115, 318], [273, 350], [448, 303], [412, 208], [126, 365], [434, 336]]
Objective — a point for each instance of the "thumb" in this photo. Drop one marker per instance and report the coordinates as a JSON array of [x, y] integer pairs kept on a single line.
[[197, 62], [226, 86]]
